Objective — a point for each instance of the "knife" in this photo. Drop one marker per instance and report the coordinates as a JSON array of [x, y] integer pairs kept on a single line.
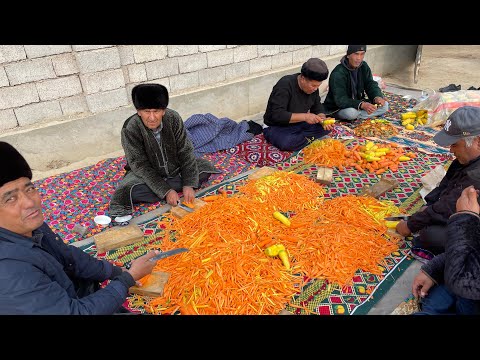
[[184, 207], [162, 255], [397, 218]]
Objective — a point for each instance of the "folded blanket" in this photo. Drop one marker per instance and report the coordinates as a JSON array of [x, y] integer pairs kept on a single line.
[[210, 134]]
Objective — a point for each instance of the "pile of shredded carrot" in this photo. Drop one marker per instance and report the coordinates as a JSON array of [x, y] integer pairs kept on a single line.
[[327, 152], [226, 270]]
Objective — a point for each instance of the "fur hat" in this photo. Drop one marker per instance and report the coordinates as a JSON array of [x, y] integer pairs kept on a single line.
[[354, 48], [13, 165], [315, 69], [150, 96]]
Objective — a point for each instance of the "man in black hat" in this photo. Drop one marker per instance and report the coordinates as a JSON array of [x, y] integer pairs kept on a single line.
[[461, 133], [39, 273], [352, 92], [160, 157], [294, 113]]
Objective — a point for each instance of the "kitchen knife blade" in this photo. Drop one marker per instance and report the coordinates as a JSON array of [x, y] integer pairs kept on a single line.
[[168, 253], [397, 218], [184, 207]]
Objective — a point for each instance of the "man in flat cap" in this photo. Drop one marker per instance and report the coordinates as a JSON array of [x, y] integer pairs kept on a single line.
[[39, 273], [350, 83], [461, 133], [294, 113], [160, 157]]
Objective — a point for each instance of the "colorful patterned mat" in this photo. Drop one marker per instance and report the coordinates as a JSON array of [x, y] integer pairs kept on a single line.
[[317, 296], [75, 198]]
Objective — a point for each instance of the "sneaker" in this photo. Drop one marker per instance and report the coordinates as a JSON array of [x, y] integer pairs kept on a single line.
[[451, 87], [421, 255]]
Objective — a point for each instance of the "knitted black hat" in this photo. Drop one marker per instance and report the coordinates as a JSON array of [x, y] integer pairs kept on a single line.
[[150, 96], [354, 48], [315, 69], [13, 164]]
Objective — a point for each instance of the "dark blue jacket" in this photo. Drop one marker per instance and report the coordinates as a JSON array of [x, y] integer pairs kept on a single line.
[[36, 277]]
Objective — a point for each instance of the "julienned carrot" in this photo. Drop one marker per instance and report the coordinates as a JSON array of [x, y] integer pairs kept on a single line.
[[211, 198]]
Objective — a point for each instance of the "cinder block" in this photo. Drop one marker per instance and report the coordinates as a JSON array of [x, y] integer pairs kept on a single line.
[[244, 52], [207, 48], [161, 68], [126, 54], [268, 50], [3, 77], [30, 71], [102, 81], [231, 46], [9, 53], [98, 60], [285, 48], [146, 53], [136, 73], [181, 50], [338, 49], [320, 51], [282, 60], [183, 81], [33, 113], [65, 64], [191, 63], [16, 96], [211, 76], [74, 105], [301, 55], [59, 88], [36, 51], [219, 58], [89, 47], [7, 119], [237, 70], [260, 64], [109, 100]]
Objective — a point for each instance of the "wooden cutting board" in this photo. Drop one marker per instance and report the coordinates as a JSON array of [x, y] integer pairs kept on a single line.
[[155, 288], [261, 172], [180, 213], [117, 236]]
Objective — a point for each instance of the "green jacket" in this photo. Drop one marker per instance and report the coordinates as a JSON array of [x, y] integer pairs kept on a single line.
[[340, 88]]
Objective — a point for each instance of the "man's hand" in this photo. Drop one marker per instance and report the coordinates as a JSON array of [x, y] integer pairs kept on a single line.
[[142, 266], [421, 284], [313, 118], [188, 194], [402, 228], [172, 198], [380, 101], [369, 108], [468, 200]]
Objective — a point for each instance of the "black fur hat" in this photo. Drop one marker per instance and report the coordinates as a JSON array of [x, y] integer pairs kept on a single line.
[[315, 69], [150, 96], [13, 165]]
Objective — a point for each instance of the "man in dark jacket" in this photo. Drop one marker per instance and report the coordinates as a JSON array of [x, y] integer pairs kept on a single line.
[[350, 83], [450, 282], [462, 133], [160, 156], [39, 273], [294, 113]]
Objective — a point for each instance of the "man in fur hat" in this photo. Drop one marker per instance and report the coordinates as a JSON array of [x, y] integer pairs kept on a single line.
[[39, 273], [294, 113], [160, 157], [350, 83]]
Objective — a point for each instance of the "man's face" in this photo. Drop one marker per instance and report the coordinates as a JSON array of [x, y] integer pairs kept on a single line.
[[355, 59], [309, 86], [151, 118], [463, 153], [20, 207]]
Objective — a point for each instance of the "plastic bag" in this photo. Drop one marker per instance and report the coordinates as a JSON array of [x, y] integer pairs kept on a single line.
[[441, 105], [379, 80]]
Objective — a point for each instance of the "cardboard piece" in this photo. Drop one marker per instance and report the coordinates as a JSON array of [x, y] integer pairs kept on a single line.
[[180, 213], [379, 188], [117, 236], [155, 288], [324, 175], [261, 172]]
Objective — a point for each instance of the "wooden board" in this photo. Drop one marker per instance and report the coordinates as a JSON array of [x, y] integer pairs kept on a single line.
[[261, 172], [324, 175], [379, 188], [117, 236], [180, 213], [155, 288]]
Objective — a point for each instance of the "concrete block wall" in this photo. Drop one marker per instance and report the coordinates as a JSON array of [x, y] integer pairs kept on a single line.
[[68, 102]]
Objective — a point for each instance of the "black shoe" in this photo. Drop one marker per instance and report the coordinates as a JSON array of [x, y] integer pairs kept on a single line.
[[451, 87], [472, 88]]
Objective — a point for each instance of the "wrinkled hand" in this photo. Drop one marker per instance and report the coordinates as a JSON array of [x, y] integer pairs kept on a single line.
[[380, 101], [402, 228], [421, 284], [142, 266], [468, 200], [313, 118], [369, 108], [172, 198], [328, 127], [188, 194]]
